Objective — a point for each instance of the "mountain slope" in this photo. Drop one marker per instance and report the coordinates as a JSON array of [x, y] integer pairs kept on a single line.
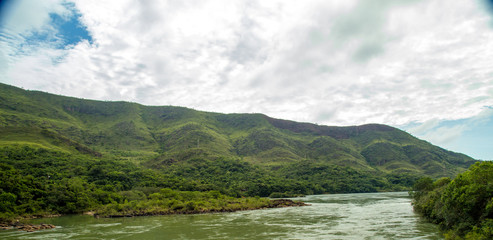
[[158, 135]]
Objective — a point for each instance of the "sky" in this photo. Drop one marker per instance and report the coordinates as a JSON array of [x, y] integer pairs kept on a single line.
[[424, 66]]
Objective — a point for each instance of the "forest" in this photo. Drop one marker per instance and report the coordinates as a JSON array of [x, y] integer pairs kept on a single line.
[[64, 155], [40, 182], [462, 207]]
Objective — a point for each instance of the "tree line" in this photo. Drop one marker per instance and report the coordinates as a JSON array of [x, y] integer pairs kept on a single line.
[[462, 207], [38, 181]]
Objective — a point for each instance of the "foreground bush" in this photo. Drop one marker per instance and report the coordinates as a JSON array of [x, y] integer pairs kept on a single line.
[[462, 207]]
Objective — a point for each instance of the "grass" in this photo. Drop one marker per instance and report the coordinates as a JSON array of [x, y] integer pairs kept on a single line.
[[168, 201], [136, 132]]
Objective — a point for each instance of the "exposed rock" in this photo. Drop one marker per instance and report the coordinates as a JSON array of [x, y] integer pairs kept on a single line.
[[278, 203], [26, 227]]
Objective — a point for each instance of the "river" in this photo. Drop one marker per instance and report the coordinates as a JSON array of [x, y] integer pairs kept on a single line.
[[334, 216]]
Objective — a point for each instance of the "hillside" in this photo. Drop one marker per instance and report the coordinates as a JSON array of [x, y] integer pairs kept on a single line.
[[67, 155], [159, 136]]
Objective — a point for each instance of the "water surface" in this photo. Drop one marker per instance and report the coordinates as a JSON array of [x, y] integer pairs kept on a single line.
[[335, 216]]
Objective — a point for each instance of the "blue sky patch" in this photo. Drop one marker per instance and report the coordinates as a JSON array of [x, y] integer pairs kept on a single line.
[[4, 7], [489, 3], [60, 32], [473, 139], [70, 30], [477, 140]]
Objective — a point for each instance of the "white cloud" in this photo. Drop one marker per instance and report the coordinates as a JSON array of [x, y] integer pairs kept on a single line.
[[444, 135], [425, 127], [329, 62], [21, 20], [457, 134], [26, 16]]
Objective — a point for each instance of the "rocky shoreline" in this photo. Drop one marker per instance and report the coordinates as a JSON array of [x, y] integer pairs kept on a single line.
[[278, 203], [26, 227], [275, 203]]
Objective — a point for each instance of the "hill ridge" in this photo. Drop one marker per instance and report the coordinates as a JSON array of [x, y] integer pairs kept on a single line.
[[140, 132]]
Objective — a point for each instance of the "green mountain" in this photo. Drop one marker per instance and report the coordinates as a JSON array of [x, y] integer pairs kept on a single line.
[[122, 146], [158, 136], [67, 155]]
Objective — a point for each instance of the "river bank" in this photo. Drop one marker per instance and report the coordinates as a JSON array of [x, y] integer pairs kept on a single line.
[[275, 203], [333, 216], [26, 227]]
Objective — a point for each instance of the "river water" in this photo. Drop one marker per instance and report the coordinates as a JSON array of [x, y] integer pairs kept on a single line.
[[335, 216]]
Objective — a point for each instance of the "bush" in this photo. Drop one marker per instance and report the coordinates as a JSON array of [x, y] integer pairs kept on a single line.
[[463, 206]]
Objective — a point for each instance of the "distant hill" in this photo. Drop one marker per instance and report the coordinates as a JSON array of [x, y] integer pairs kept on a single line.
[[135, 131], [177, 140]]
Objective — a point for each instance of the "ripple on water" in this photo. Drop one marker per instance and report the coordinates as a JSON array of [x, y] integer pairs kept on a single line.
[[103, 225], [344, 216]]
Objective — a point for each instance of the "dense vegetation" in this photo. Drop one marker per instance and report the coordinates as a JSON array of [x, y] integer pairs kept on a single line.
[[164, 135], [66, 155], [168, 201], [43, 182], [40, 182], [463, 207], [37, 181]]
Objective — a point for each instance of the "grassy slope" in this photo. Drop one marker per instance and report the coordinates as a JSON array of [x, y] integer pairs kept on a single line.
[[169, 135]]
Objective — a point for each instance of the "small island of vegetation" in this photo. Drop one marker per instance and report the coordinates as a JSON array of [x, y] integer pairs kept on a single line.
[[168, 201]]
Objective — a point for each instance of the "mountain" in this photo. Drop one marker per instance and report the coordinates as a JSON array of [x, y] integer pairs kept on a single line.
[[135, 131], [226, 152]]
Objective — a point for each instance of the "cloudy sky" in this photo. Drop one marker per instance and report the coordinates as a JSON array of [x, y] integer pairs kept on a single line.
[[425, 66]]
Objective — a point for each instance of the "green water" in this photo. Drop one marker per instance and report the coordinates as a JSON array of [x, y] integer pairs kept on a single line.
[[337, 216]]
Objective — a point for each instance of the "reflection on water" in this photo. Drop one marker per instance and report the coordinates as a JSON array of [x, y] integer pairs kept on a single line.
[[336, 216]]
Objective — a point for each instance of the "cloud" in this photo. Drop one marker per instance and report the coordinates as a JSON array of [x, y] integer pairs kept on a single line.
[[330, 62], [449, 133], [36, 31], [26, 16], [423, 128], [440, 133], [470, 136]]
